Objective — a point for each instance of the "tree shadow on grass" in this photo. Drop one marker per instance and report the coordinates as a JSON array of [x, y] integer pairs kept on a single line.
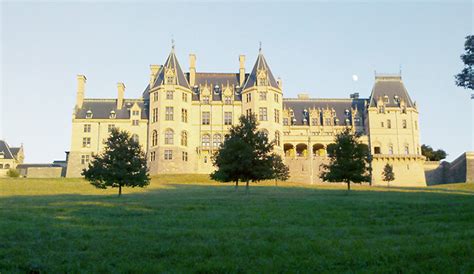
[[202, 228]]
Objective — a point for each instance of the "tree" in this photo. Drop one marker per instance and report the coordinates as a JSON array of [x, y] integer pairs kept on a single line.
[[246, 155], [122, 163], [348, 160], [13, 173], [465, 78], [431, 154], [388, 174]]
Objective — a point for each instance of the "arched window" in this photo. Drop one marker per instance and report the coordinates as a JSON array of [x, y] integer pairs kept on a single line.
[[184, 138], [206, 140], [7, 166], [217, 140], [277, 138], [390, 149], [135, 138], [265, 132], [1, 166], [407, 150], [154, 138], [169, 136]]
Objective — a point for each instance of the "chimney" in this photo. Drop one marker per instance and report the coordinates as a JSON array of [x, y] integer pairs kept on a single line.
[[242, 69], [121, 91], [154, 72], [280, 83], [192, 69], [81, 86]]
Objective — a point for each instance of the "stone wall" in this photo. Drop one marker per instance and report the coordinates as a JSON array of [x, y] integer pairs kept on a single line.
[[458, 171], [44, 172]]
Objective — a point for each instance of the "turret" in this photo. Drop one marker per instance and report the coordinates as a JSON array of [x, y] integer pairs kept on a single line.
[[81, 85]]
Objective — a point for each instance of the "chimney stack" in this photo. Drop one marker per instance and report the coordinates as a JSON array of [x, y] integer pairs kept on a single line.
[[242, 69], [121, 91], [192, 69], [280, 83], [154, 72], [81, 86]]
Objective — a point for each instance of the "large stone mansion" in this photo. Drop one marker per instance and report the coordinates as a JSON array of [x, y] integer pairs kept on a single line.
[[182, 118]]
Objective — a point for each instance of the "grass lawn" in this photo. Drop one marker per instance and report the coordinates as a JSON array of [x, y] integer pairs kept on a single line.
[[190, 224]]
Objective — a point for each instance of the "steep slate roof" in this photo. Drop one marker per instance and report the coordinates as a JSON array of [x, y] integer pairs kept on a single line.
[[171, 63], [7, 153], [213, 79], [261, 63], [390, 85], [15, 150], [101, 108], [339, 105]]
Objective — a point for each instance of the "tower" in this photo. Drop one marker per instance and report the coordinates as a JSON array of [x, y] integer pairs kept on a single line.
[[263, 97], [394, 135], [169, 103]]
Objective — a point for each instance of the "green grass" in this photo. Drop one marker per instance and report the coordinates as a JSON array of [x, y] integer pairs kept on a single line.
[[190, 224]]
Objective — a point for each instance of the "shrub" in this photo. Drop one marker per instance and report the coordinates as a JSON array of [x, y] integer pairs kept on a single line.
[[13, 173]]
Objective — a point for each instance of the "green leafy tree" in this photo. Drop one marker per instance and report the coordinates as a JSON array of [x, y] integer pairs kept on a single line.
[[246, 155], [465, 79], [121, 164], [281, 172], [348, 160], [388, 174], [433, 155], [13, 173]]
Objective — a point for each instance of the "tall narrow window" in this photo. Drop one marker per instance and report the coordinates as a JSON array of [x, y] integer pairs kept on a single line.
[[86, 142], [404, 123], [277, 138], [184, 97], [87, 128], [276, 97], [227, 118], [407, 150], [135, 122], [154, 118], [390, 149], [154, 138], [285, 121], [85, 159], [110, 127], [262, 114], [169, 114], [277, 116], [169, 95], [217, 140], [184, 138], [135, 138], [169, 136], [263, 95], [184, 115], [389, 123], [155, 96], [206, 117], [185, 156]]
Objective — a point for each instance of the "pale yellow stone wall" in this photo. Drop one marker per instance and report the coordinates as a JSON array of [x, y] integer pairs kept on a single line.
[[5, 165]]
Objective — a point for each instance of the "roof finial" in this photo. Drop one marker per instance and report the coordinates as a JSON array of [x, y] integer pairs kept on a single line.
[[172, 42], [400, 69], [260, 47]]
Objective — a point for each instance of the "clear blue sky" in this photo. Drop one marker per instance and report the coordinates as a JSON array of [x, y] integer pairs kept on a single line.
[[314, 47]]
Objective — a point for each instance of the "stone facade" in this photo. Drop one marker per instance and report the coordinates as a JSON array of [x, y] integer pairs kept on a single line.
[[458, 171], [182, 118], [10, 157]]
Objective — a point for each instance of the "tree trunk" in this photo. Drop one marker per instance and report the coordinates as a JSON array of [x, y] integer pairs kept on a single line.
[[276, 182], [120, 190], [348, 186], [236, 185], [247, 187]]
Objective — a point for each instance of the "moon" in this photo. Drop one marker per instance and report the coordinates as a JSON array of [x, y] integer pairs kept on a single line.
[[355, 78]]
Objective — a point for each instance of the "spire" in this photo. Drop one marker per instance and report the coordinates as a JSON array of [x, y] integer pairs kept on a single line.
[[171, 65], [260, 65]]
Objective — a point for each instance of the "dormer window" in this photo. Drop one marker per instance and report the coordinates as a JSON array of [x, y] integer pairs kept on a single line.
[[346, 112], [196, 90], [112, 114], [170, 80], [217, 90], [228, 100], [89, 114], [205, 99], [348, 122], [386, 100], [238, 90], [381, 109]]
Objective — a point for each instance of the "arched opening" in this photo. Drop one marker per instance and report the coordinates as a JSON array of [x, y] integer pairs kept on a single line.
[[289, 150], [301, 150], [216, 140], [319, 150], [154, 138], [7, 166], [169, 137]]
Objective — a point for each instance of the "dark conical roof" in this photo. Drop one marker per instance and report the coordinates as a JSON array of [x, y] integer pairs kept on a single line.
[[260, 64], [392, 87], [171, 63]]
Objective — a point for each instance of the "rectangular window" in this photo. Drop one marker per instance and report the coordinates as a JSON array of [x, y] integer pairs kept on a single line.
[[154, 117], [328, 121], [152, 156], [263, 95], [87, 128], [276, 97], [314, 121], [389, 123], [248, 112], [85, 159], [227, 100], [376, 150], [381, 124], [249, 97], [262, 112], [169, 95], [155, 96], [169, 114], [185, 156], [184, 115], [184, 97], [206, 117], [227, 118], [285, 121], [205, 99], [135, 113], [168, 154], [404, 123], [277, 116], [110, 127], [135, 122], [86, 142]]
